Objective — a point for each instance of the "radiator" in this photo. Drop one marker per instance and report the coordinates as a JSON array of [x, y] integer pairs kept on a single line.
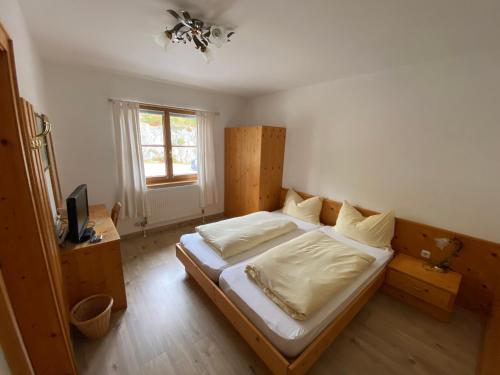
[[172, 203]]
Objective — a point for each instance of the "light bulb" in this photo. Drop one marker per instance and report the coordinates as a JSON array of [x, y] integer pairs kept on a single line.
[[218, 35], [208, 55], [442, 242], [161, 40]]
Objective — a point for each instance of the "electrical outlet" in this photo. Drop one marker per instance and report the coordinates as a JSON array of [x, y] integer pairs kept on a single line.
[[425, 254]]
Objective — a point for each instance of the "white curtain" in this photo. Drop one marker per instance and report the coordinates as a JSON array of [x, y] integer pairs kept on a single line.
[[206, 159], [131, 178]]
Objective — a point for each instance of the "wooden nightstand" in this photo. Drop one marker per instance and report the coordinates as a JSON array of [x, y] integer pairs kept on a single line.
[[433, 292]]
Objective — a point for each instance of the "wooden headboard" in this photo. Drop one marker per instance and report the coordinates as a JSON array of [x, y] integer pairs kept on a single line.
[[478, 262]]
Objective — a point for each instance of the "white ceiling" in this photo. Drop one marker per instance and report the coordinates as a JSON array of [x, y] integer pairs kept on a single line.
[[279, 44]]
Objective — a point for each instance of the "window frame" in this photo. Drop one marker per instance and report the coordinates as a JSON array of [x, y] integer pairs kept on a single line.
[[169, 178]]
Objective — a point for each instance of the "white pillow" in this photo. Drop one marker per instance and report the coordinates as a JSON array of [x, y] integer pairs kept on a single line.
[[307, 210], [376, 230]]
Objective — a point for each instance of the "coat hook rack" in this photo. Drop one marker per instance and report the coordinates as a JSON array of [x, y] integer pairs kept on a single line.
[[37, 140]]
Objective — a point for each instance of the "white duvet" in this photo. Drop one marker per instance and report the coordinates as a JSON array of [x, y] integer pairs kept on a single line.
[[303, 274], [234, 236]]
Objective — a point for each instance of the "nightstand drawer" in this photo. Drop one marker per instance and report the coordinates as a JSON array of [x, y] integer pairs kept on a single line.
[[420, 289]]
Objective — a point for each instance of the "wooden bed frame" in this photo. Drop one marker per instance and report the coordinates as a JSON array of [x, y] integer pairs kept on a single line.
[[277, 363]]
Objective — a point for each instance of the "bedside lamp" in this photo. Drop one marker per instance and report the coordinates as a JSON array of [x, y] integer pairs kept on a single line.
[[442, 243]]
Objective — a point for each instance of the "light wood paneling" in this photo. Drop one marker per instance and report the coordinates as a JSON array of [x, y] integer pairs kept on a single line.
[[54, 172], [478, 263], [253, 168], [271, 168], [29, 254], [489, 359], [95, 268], [41, 200], [489, 356], [11, 341], [242, 166]]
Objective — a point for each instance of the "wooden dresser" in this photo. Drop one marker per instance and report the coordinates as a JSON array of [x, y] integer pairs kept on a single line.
[[95, 268], [253, 169], [410, 280]]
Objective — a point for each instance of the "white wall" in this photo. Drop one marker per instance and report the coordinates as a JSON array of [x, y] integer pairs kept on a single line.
[[422, 139], [83, 135], [28, 65]]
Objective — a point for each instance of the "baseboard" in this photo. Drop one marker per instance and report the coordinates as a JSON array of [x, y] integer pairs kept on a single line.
[[175, 225]]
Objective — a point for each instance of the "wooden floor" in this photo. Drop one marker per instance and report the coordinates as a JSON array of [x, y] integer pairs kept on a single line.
[[171, 327]]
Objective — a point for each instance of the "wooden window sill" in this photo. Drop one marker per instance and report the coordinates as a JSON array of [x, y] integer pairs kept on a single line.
[[161, 185]]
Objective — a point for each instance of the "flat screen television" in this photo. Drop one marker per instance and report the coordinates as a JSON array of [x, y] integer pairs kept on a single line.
[[78, 213]]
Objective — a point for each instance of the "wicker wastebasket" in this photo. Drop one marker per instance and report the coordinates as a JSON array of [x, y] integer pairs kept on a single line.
[[91, 315]]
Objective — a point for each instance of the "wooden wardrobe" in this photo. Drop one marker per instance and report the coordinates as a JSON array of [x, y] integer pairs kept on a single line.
[[34, 329], [253, 169]]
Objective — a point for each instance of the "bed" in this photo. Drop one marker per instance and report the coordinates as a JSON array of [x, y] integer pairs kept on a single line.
[[288, 335], [256, 335], [213, 264]]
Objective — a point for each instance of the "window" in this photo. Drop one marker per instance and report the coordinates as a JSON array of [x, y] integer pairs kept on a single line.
[[169, 145]]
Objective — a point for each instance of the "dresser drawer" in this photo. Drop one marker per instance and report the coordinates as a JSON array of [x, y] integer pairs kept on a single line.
[[420, 289]]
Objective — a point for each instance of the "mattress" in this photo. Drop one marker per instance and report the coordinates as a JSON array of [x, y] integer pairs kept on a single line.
[[288, 335], [213, 264]]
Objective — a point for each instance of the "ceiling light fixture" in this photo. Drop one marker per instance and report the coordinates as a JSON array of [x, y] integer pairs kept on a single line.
[[195, 31]]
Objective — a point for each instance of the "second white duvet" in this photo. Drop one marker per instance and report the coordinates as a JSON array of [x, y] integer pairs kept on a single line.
[[301, 275], [234, 236]]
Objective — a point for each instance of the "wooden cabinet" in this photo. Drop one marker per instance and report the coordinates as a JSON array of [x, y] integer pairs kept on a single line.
[[410, 280], [29, 255], [253, 169], [95, 268]]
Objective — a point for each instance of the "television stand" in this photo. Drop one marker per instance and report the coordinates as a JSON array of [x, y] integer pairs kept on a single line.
[[93, 268]]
